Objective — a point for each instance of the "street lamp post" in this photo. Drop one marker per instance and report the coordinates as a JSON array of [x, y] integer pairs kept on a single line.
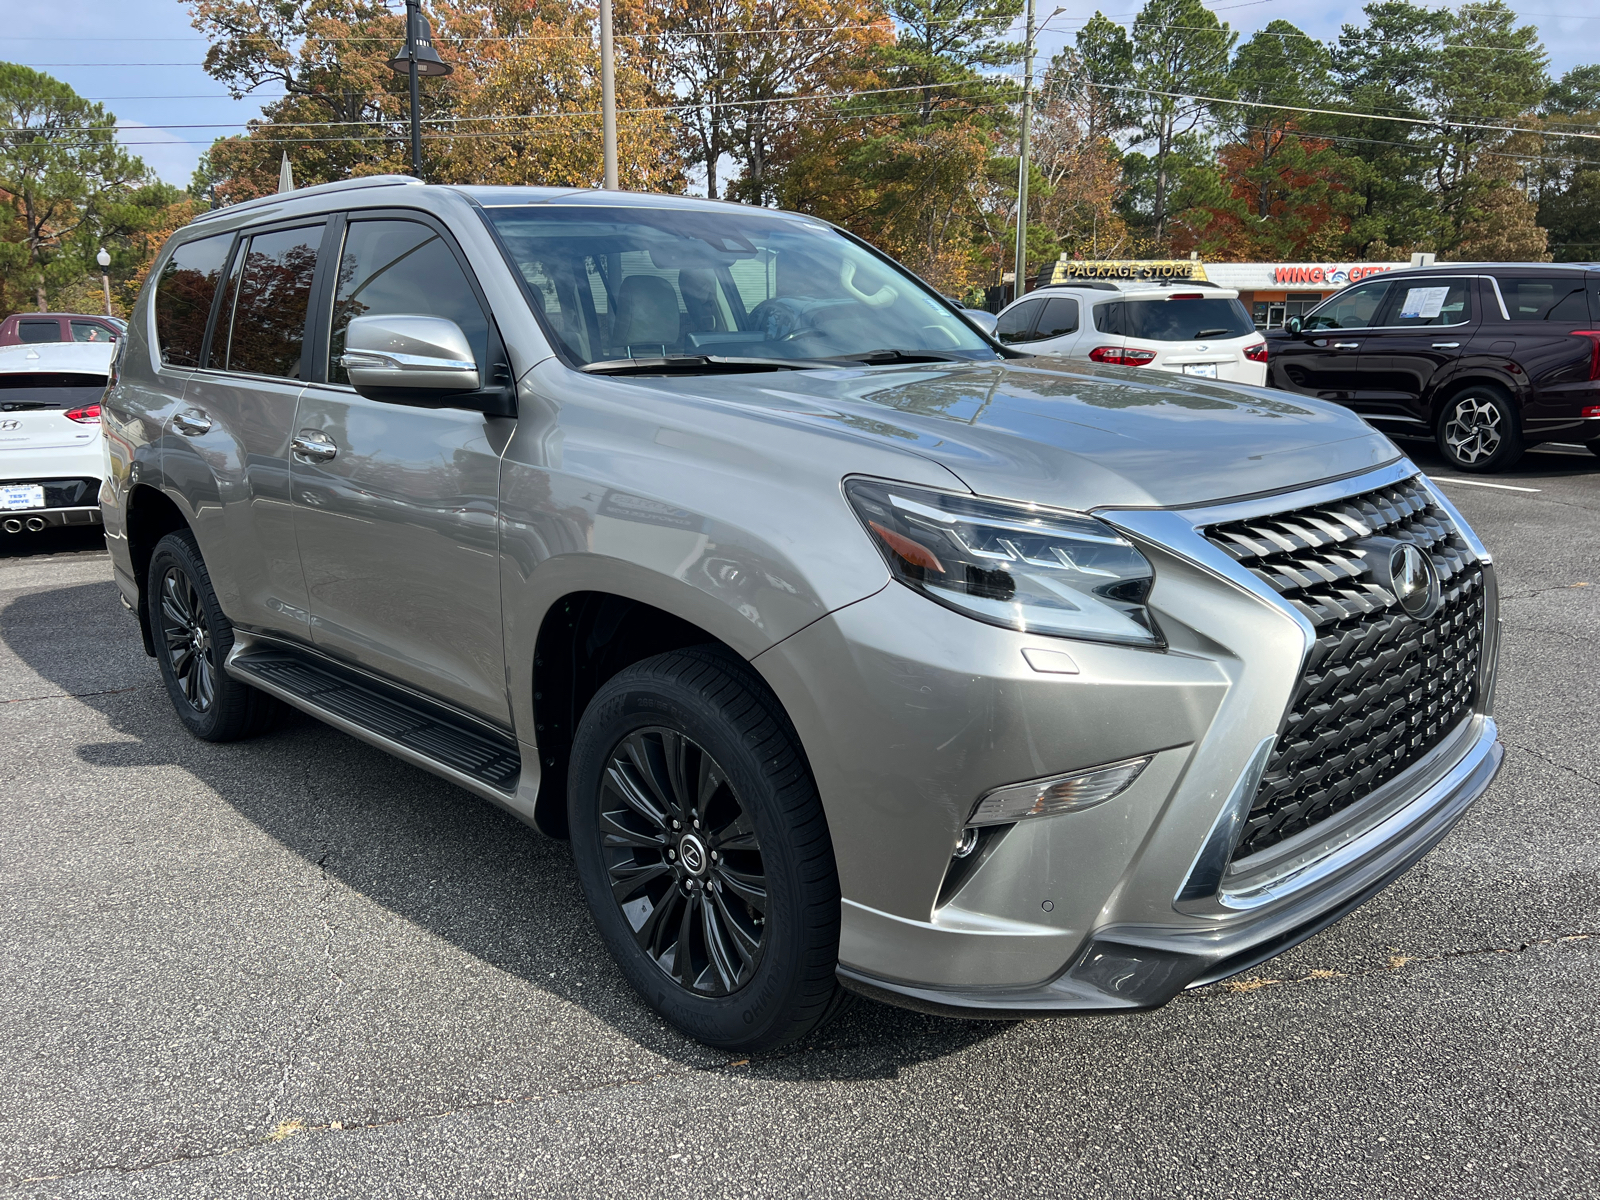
[[608, 98], [1022, 163], [417, 58], [104, 260]]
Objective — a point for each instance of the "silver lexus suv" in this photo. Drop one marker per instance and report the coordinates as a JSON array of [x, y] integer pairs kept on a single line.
[[853, 651]]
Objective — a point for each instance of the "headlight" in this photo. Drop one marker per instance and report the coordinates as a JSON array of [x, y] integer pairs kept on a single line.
[[1013, 565]]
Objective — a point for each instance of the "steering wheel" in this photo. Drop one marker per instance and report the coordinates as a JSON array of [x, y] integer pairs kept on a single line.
[[877, 299]]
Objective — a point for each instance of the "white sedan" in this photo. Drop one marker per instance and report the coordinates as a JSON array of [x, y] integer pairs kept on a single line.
[[1183, 327], [51, 457]]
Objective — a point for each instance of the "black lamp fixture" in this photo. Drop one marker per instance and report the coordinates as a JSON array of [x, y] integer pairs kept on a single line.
[[417, 58]]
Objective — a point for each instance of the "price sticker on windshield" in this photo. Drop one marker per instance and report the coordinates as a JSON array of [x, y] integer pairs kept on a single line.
[[1424, 303]]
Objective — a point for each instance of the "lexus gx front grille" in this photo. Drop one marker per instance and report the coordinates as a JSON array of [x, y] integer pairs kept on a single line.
[[1380, 688]]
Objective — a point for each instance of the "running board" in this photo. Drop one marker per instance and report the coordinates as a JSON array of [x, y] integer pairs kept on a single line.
[[463, 752]]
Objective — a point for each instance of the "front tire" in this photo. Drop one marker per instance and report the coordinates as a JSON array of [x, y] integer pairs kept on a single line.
[[192, 639], [704, 853], [1478, 430]]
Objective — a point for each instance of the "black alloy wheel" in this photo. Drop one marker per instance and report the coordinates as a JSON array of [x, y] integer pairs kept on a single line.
[[188, 644], [684, 861], [192, 640], [703, 851], [1478, 430]]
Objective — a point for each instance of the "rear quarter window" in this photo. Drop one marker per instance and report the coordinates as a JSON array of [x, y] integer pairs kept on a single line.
[[184, 294], [1545, 298]]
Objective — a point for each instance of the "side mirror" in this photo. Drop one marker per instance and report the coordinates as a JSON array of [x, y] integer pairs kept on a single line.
[[1292, 326], [409, 357]]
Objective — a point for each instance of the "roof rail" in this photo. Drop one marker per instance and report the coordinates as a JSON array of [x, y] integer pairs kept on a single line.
[[341, 185]]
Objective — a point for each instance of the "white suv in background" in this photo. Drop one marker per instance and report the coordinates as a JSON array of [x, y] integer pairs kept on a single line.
[[1184, 327], [51, 454]]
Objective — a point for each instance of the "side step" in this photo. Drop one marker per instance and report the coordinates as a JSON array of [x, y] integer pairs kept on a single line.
[[430, 737]]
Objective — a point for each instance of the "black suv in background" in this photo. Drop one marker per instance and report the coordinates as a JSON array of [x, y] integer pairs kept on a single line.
[[1487, 359]]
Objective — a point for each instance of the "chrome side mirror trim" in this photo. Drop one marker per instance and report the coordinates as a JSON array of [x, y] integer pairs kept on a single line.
[[410, 352]]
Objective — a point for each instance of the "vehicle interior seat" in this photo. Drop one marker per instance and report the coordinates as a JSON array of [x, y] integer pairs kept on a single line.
[[647, 315]]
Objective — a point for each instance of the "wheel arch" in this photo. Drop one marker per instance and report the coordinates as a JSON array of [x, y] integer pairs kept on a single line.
[[1457, 384], [152, 514], [585, 638]]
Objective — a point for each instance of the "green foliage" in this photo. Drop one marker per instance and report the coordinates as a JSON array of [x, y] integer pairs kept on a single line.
[[68, 189]]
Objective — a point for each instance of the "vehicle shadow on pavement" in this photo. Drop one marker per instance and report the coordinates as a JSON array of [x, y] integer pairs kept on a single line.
[[439, 857]]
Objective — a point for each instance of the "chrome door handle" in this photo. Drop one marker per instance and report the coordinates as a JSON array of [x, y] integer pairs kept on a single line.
[[1345, 345], [191, 422], [312, 446], [1445, 345]]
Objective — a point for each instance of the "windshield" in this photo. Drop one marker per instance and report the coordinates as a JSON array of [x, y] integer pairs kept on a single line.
[[1175, 320], [627, 283]]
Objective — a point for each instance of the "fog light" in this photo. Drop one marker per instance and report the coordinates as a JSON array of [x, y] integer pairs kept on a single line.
[[1072, 792]]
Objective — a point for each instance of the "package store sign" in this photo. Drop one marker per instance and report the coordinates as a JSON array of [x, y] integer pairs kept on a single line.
[[1178, 268], [1327, 275]]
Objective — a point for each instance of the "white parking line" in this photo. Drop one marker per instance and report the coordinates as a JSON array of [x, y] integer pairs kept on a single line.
[[1504, 487]]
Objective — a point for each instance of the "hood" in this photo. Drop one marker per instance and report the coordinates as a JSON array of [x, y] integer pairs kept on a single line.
[[1087, 437]]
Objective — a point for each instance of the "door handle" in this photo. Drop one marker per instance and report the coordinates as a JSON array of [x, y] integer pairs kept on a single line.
[[1445, 345], [1345, 345], [311, 446], [191, 422]]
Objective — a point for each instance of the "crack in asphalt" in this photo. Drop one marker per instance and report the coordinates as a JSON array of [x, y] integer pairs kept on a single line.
[[78, 695], [1548, 761], [1396, 962], [1559, 587], [287, 1129]]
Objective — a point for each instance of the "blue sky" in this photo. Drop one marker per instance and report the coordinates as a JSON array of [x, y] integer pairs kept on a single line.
[[142, 58]]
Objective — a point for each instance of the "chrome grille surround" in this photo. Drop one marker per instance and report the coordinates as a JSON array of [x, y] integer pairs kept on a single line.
[[1378, 688]]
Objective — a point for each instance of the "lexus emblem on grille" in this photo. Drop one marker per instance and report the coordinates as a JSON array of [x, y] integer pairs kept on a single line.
[[1414, 581]]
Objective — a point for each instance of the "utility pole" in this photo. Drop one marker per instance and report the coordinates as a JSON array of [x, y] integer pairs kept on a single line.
[[608, 97], [1022, 161]]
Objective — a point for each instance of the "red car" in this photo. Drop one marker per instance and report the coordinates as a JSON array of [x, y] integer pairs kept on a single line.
[[19, 328]]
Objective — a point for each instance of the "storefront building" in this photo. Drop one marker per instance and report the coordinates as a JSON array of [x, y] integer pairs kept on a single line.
[[1271, 292]]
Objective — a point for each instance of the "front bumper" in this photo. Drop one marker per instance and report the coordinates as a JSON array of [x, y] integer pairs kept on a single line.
[[909, 712], [1128, 967]]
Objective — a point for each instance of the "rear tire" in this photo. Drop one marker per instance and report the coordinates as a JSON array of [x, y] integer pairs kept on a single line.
[[192, 641], [703, 851], [1478, 430]]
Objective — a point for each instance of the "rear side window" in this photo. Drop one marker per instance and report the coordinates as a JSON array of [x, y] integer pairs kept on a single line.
[[1179, 319], [1550, 298], [39, 331], [1015, 324], [91, 331], [184, 294], [1428, 302], [391, 268], [268, 330], [1060, 317]]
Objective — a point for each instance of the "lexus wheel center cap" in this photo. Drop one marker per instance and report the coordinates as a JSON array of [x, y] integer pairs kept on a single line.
[[692, 854]]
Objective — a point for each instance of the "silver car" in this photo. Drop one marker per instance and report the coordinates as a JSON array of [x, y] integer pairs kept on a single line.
[[853, 651]]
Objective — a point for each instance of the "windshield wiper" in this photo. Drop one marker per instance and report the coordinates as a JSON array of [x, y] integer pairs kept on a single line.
[[695, 364], [1213, 333], [896, 356]]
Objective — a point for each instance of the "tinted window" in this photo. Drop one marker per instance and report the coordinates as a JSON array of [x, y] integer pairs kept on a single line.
[[1424, 302], [401, 267], [274, 292], [91, 331], [1354, 308], [1014, 323], [1060, 317], [49, 389], [183, 298], [1182, 320], [617, 283], [1545, 298], [39, 331]]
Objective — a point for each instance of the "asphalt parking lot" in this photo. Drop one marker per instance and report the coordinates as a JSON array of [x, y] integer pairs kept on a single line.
[[297, 967]]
